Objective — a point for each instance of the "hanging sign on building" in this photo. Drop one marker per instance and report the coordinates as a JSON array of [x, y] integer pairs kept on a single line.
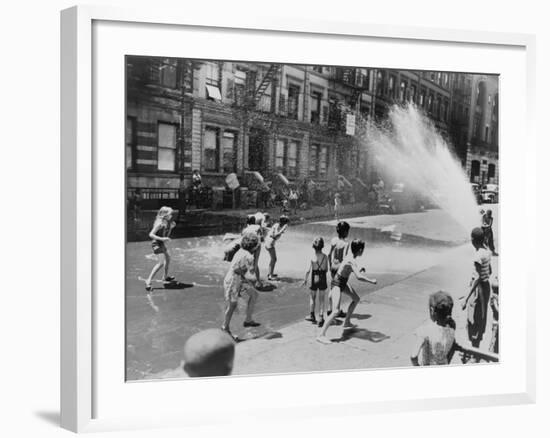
[[350, 124]]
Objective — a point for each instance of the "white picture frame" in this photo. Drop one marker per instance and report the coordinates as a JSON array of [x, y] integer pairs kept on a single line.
[[80, 365]]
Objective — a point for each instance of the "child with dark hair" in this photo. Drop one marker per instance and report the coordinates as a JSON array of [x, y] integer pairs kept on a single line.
[[435, 340], [487, 226], [480, 289], [339, 248], [236, 281], [341, 286], [253, 227], [272, 236], [318, 267]]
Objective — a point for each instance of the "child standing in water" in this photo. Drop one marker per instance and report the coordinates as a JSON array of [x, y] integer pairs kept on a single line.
[[272, 236], [340, 285], [236, 281], [477, 300], [318, 267], [160, 234]]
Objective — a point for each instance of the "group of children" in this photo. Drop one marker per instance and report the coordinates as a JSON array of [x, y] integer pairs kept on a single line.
[[435, 341]]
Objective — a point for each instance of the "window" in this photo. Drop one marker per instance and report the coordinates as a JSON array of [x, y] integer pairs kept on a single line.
[[491, 173], [229, 147], [412, 97], [323, 162], [280, 156], [168, 73], [166, 146], [402, 90], [131, 140], [318, 68], [422, 98], [430, 103], [313, 160], [316, 107], [213, 74], [211, 149], [379, 83], [293, 99], [391, 86], [486, 134], [292, 159]]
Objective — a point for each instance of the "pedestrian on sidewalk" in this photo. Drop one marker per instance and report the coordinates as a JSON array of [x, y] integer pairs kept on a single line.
[[318, 267], [339, 248], [160, 234], [337, 205], [237, 282], [209, 353], [477, 299], [273, 235], [339, 286]]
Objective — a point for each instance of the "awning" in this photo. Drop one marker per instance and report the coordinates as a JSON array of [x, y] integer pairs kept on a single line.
[[213, 92]]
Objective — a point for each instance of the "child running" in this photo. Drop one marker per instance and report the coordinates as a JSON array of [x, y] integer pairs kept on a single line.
[[339, 248], [236, 282], [272, 236], [160, 234], [480, 289], [318, 267], [340, 285]]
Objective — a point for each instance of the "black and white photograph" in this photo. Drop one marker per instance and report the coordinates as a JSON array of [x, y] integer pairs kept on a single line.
[[292, 218]]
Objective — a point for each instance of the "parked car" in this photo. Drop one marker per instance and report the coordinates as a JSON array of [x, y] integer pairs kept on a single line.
[[402, 199], [489, 193]]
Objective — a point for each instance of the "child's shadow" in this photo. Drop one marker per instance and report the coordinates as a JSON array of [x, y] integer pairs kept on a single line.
[[361, 317], [364, 334], [177, 285]]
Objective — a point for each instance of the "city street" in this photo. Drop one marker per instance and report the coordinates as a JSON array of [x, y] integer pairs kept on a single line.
[[411, 255]]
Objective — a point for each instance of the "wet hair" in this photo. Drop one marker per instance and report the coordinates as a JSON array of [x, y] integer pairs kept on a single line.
[[283, 220], [249, 242], [478, 237], [162, 214], [441, 308], [489, 212], [251, 220], [318, 244], [342, 229], [209, 353], [357, 245]]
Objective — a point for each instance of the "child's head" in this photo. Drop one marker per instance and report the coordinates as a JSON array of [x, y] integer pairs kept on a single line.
[[478, 237], [196, 171], [251, 220], [209, 353], [441, 307], [342, 229], [357, 247], [318, 244], [283, 220], [165, 213], [249, 242], [489, 212]]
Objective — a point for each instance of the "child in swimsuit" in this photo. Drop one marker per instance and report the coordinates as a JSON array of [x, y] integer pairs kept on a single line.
[[339, 248], [340, 286], [272, 236], [318, 267], [160, 234]]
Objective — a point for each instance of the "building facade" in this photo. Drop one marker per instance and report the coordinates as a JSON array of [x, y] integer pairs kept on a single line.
[[288, 124]]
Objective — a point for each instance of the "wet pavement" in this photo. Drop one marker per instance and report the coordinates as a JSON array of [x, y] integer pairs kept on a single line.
[[157, 328]]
